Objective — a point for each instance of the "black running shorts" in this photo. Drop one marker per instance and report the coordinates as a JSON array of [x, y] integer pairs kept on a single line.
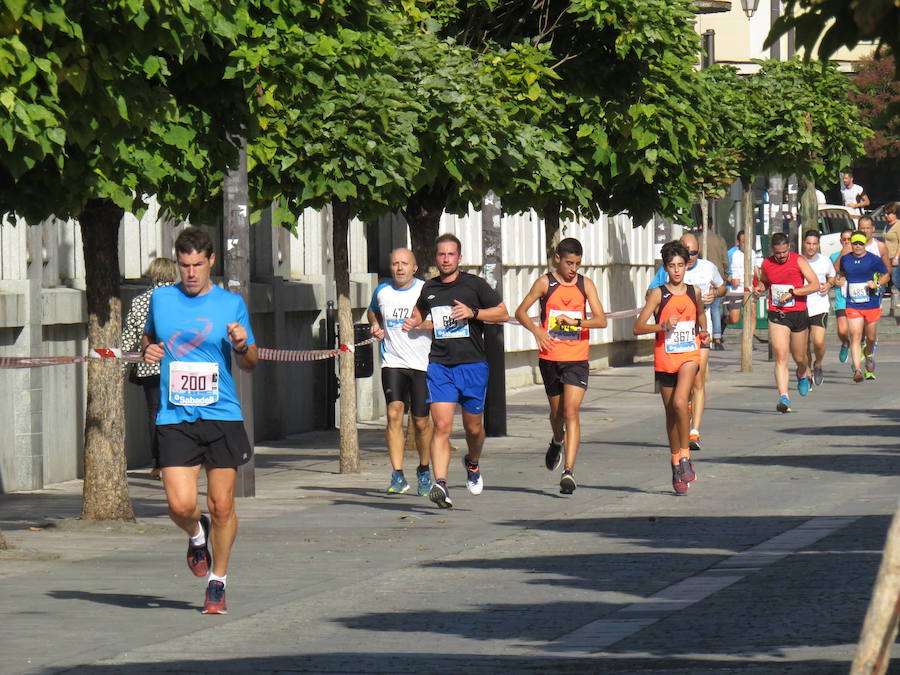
[[796, 321], [400, 383], [215, 443], [556, 374], [668, 380], [820, 320]]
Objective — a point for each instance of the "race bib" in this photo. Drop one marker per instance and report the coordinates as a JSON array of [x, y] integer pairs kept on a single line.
[[858, 292], [445, 326], [193, 383], [395, 316], [777, 291], [559, 332], [681, 339]]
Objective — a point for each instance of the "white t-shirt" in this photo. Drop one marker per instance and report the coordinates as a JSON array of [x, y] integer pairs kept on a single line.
[[816, 303], [706, 275], [399, 349], [851, 195], [736, 268]]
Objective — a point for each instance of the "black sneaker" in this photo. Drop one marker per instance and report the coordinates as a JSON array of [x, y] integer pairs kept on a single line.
[[553, 456], [682, 475], [567, 483], [440, 495], [215, 599], [198, 557]]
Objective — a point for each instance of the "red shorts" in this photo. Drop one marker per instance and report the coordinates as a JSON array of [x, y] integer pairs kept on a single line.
[[868, 315]]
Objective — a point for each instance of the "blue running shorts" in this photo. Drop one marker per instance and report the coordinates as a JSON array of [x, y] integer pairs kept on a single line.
[[464, 383]]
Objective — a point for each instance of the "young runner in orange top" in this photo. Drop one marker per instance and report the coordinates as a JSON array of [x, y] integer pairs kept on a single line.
[[562, 339], [677, 309]]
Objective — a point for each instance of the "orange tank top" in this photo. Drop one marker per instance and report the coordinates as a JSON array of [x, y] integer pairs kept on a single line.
[[676, 347], [570, 343]]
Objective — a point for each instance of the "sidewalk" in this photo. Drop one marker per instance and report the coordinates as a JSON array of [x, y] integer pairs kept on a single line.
[[766, 567]]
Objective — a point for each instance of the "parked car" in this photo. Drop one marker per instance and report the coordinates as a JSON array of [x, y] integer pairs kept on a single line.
[[832, 220]]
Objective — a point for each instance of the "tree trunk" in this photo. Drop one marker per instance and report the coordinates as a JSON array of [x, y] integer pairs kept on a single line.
[[551, 231], [809, 204], [873, 653], [105, 482], [704, 218], [4, 545], [349, 438], [749, 313], [423, 216]]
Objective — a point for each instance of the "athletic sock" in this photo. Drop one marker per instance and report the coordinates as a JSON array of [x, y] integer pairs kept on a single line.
[[556, 442], [398, 472], [214, 577], [422, 468], [199, 539], [442, 482], [677, 456]]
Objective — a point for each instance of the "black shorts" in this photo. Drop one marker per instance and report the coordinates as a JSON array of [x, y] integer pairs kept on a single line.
[[559, 373], [796, 321], [840, 313], [216, 443], [666, 379], [820, 320], [400, 383]]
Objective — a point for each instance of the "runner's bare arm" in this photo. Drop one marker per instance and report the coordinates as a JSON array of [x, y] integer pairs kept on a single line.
[[885, 258], [812, 281], [598, 320], [703, 333], [153, 352], [538, 290], [375, 324], [641, 327], [245, 355], [414, 321], [497, 314]]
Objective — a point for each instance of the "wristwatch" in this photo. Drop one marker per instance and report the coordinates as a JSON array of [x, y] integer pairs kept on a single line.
[[241, 351], [474, 312]]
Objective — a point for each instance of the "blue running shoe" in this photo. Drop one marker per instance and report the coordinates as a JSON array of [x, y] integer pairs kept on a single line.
[[844, 353], [803, 385], [424, 480], [398, 483], [784, 404], [473, 477]]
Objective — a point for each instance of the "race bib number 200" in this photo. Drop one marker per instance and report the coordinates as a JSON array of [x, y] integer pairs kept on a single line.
[[191, 383]]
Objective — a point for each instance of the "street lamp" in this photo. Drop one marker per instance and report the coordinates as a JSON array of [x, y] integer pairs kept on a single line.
[[749, 7]]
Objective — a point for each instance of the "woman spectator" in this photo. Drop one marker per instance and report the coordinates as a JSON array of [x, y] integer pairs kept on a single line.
[[162, 272]]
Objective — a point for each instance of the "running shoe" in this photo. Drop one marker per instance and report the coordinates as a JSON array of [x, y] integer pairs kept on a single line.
[[694, 443], [215, 599], [844, 353], [679, 482], [857, 376], [399, 484], [803, 385], [870, 363], [818, 376], [473, 477], [440, 495], [687, 469], [869, 375], [423, 478], [553, 456], [784, 404], [198, 557], [567, 483]]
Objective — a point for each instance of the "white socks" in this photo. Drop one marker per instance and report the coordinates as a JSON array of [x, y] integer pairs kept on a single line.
[[199, 539], [213, 577]]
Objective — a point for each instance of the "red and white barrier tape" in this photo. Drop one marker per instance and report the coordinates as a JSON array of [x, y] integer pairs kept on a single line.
[[265, 354]]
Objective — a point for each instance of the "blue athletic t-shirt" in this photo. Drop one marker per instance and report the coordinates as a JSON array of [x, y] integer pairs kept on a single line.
[[195, 332], [840, 302], [858, 272]]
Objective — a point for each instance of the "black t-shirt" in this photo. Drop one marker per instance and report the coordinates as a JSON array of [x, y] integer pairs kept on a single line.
[[456, 341]]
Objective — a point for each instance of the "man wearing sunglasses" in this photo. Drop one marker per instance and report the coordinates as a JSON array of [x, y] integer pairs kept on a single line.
[[705, 274], [866, 274]]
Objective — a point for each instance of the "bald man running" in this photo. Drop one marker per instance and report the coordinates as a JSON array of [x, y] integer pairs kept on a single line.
[[705, 274], [404, 360]]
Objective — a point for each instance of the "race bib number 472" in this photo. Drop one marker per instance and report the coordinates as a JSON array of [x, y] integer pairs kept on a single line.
[[195, 384]]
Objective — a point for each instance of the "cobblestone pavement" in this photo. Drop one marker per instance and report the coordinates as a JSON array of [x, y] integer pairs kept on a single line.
[[766, 567]]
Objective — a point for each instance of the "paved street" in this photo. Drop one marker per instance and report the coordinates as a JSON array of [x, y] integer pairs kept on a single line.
[[766, 567]]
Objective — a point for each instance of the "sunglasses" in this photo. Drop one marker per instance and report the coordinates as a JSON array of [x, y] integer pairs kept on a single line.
[[694, 252], [857, 243]]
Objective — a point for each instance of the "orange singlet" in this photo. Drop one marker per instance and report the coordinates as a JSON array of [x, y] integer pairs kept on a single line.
[[570, 343], [676, 347]]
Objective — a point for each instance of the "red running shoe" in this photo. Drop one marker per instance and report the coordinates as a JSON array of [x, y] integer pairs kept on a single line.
[[215, 599], [198, 557]]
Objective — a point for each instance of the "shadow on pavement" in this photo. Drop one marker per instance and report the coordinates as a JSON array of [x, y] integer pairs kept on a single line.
[[124, 600]]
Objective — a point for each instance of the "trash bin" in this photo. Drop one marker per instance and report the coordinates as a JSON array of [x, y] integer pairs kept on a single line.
[[364, 358]]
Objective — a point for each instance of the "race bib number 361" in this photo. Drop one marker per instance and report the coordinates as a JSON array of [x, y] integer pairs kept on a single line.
[[195, 384], [445, 326]]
